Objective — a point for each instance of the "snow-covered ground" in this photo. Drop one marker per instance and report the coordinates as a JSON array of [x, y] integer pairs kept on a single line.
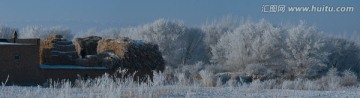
[[109, 87], [172, 91]]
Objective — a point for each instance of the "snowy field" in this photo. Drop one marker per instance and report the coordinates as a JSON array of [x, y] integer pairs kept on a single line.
[[108, 87], [172, 92]]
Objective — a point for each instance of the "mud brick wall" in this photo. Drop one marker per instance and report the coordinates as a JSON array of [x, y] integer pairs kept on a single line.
[[24, 70]]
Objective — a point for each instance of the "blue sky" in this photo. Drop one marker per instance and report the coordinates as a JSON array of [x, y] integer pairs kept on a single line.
[[88, 14]]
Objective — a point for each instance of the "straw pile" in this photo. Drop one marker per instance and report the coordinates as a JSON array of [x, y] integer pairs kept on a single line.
[[108, 59], [55, 50], [135, 55], [87, 44]]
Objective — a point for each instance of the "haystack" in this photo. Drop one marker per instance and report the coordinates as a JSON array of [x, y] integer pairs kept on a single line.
[[108, 59], [135, 55], [55, 50], [93, 60], [87, 44]]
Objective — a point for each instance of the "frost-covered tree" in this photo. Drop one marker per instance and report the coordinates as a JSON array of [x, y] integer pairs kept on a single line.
[[247, 44], [302, 51], [168, 35], [43, 32], [305, 51], [177, 43], [214, 31], [344, 54], [195, 47]]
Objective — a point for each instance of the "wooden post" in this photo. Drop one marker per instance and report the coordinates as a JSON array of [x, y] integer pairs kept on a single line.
[[15, 36]]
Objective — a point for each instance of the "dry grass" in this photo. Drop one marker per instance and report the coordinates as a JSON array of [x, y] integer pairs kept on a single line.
[[120, 47], [109, 87]]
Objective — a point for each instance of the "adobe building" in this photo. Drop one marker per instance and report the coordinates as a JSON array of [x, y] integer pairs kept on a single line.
[[19, 61]]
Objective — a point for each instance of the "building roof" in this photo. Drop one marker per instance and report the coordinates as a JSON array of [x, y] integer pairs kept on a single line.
[[70, 67], [6, 43]]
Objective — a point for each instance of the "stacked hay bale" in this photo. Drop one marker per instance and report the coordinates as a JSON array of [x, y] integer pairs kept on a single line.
[[86, 49], [108, 59], [133, 55], [87, 45], [136, 56], [89, 61], [56, 50]]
